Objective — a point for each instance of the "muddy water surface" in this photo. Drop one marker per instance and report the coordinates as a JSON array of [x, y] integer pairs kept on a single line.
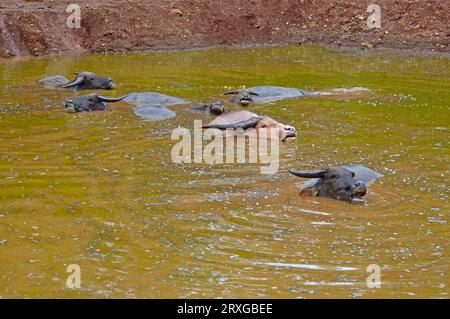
[[100, 190]]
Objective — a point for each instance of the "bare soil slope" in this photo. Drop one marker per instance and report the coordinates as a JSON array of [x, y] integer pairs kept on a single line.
[[38, 27]]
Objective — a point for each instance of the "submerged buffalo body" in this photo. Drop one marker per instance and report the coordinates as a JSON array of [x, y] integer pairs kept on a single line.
[[90, 103], [54, 81], [267, 94], [214, 108], [245, 120], [82, 81], [343, 183], [153, 106]]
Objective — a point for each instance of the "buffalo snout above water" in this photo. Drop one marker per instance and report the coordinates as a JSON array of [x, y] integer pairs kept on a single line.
[[214, 108], [340, 183], [242, 97], [91, 103]]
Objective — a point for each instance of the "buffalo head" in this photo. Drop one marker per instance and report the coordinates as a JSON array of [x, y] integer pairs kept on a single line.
[[245, 120], [89, 81], [90, 103], [338, 183], [242, 97], [216, 108]]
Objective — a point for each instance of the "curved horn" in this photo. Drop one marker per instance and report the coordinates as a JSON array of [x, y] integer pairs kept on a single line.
[[110, 99], [231, 92], [75, 82], [318, 174], [251, 122], [253, 93]]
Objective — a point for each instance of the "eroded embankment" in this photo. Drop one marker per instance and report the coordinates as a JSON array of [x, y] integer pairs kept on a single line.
[[38, 27]]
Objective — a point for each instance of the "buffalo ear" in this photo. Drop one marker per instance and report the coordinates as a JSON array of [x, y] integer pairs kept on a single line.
[[317, 174]]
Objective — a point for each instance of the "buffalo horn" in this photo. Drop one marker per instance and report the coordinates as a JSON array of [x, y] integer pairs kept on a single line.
[[110, 99], [75, 82], [318, 174], [251, 122], [231, 92]]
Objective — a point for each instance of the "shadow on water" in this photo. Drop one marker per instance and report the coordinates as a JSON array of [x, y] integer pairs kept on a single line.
[[100, 190]]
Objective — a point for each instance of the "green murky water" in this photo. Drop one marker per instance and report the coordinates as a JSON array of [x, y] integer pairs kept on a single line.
[[100, 190]]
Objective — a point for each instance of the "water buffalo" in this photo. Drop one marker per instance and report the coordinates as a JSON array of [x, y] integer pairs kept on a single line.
[[266, 94], [90, 103], [153, 106], [215, 108], [346, 183], [245, 120], [242, 97], [82, 81]]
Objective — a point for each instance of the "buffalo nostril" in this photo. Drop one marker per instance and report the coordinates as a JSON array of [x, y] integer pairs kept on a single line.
[[360, 185]]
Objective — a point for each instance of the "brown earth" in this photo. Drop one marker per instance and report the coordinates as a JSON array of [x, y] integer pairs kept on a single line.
[[38, 27]]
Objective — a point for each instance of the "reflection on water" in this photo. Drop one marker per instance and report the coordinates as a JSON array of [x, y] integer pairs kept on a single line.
[[100, 190]]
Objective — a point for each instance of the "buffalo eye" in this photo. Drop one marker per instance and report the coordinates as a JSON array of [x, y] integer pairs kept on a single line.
[[263, 126], [353, 174]]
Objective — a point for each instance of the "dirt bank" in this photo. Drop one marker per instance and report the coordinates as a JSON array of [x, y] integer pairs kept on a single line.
[[38, 27]]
